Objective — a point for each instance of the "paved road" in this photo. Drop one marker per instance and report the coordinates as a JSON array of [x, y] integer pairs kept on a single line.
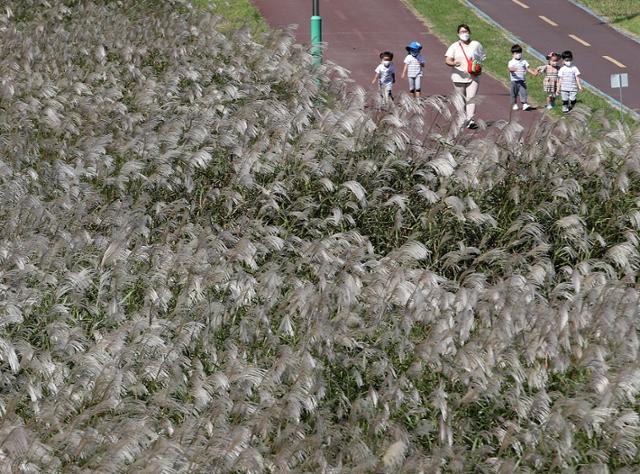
[[598, 49], [356, 31]]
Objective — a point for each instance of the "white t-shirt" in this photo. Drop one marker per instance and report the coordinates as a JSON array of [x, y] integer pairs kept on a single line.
[[474, 50], [414, 65], [385, 74], [567, 75], [521, 66]]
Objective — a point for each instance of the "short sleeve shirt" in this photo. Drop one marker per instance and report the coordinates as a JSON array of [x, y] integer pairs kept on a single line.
[[385, 74], [567, 75], [520, 66], [414, 65], [474, 50]]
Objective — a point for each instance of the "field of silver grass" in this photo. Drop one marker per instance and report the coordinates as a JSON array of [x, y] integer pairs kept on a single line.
[[210, 261]]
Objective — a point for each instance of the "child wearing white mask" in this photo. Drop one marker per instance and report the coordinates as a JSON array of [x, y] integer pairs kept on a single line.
[[518, 69], [568, 82], [461, 56], [385, 74]]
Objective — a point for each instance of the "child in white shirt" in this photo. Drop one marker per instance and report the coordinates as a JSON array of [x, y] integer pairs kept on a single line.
[[518, 69], [568, 82], [413, 65], [385, 74]]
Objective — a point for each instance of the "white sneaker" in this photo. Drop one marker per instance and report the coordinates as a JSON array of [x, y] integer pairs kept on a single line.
[[526, 106], [549, 106], [515, 107]]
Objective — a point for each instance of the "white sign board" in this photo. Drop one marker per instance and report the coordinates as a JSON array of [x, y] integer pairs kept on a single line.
[[619, 80]]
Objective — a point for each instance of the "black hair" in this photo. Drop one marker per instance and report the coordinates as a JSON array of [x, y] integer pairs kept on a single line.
[[516, 48], [567, 55], [386, 54], [463, 25]]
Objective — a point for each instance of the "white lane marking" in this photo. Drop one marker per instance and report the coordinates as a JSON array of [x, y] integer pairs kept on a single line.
[[579, 40], [518, 2], [545, 19], [611, 60]]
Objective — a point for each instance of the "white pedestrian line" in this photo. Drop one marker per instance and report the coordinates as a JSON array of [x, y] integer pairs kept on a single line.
[[579, 40], [518, 2], [617, 63], [544, 18]]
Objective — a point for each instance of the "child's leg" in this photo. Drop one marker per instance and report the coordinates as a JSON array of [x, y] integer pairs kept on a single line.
[[572, 99], [514, 92], [523, 93], [412, 85], [565, 101], [418, 85]]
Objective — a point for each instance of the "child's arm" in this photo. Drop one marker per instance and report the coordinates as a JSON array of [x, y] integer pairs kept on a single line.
[[393, 77], [375, 78], [579, 82], [404, 70], [533, 71]]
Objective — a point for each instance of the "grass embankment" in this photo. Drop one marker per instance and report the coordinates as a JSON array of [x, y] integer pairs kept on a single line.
[[443, 17], [237, 13], [624, 14]]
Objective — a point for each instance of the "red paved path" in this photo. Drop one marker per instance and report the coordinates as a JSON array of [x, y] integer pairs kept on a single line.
[[356, 31], [604, 40]]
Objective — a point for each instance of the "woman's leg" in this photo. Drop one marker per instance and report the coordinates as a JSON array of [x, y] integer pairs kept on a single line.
[[471, 91]]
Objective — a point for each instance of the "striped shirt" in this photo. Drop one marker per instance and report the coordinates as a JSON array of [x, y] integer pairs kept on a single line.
[[414, 65], [567, 76]]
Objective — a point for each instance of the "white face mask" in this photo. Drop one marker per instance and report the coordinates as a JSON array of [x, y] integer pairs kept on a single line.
[[567, 63], [464, 36], [386, 63], [518, 56]]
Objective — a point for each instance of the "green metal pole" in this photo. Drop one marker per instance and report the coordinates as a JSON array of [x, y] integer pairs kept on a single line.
[[316, 33]]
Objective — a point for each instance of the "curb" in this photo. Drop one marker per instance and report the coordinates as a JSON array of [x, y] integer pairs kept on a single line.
[[616, 103]]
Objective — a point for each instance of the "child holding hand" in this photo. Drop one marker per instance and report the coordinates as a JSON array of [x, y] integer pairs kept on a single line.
[[518, 69], [569, 83]]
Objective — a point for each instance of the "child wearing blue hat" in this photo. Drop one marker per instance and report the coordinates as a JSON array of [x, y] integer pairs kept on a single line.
[[413, 65]]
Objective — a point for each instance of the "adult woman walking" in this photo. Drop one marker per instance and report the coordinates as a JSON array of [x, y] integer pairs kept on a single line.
[[463, 56]]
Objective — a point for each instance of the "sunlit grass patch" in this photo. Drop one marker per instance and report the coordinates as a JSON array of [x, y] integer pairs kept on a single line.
[[621, 13]]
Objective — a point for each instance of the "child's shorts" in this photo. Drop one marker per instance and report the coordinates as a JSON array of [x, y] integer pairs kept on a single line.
[[414, 83], [569, 96], [386, 90]]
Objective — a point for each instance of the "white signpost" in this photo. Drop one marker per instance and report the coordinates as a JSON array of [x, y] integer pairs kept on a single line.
[[618, 81]]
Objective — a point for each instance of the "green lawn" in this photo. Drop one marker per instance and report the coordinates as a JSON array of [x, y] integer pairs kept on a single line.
[[443, 17], [237, 12], [623, 14]]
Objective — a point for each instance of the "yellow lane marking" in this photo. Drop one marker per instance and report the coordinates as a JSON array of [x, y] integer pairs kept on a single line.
[[523, 5], [544, 18], [579, 40], [611, 60]]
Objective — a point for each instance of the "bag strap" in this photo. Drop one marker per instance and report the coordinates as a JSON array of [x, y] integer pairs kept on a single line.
[[463, 52]]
